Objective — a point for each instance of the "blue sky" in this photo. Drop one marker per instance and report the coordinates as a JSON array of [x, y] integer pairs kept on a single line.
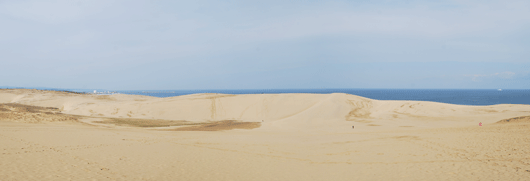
[[128, 44]]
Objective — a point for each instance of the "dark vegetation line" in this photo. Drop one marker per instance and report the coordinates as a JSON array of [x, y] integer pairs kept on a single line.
[[55, 90]]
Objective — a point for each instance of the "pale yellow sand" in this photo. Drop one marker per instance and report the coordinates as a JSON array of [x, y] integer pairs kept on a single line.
[[302, 137]]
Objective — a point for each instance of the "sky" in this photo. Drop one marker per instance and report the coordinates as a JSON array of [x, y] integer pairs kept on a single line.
[[273, 44]]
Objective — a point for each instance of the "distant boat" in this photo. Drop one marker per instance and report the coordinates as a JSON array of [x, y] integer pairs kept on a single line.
[[499, 89]]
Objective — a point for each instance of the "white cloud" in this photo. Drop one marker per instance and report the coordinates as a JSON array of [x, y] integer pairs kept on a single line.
[[502, 75], [266, 22], [505, 75], [52, 11], [475, 76], [492, 17]]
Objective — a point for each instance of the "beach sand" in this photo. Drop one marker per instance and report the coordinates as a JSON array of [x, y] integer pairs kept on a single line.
[[49, 135]]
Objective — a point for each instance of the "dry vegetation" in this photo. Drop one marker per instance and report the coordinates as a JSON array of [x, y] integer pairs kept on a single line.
[[33, 114], [145, 122], [189, 126], [105, 97], [522, 119], [221, 125], [22, 90]]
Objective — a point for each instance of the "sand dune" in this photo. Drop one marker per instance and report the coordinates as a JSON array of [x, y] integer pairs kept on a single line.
[[257, 137], [329, 112]]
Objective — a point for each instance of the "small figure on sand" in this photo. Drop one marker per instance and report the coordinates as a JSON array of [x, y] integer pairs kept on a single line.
[[480, 124], [352, 127]]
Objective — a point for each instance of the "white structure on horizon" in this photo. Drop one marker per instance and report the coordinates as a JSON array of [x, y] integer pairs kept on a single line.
[[95, 91]]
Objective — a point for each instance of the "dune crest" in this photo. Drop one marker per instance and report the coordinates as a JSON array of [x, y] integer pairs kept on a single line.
[[331, 112]]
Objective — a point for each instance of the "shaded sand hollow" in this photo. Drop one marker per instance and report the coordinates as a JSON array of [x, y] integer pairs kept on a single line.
[[47, 135]]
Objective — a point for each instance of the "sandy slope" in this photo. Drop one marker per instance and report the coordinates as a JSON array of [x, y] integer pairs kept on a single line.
[[302, 137], [301, 112]]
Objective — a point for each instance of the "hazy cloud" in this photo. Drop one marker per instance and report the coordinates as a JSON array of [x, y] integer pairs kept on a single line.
[[502, 75], [307, 43], [53, 11]]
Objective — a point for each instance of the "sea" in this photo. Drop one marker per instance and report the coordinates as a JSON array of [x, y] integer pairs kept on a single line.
[[451, 96], [479, 97]]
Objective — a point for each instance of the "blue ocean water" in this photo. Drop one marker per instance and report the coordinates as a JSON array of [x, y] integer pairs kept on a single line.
[[451, 96]]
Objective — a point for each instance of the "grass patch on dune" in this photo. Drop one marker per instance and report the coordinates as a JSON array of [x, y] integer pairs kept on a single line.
[[33, 114], [25, 108], [187, 125], [221, 125], [105, 97], [36, 114], [522, 119], [145, 122]]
